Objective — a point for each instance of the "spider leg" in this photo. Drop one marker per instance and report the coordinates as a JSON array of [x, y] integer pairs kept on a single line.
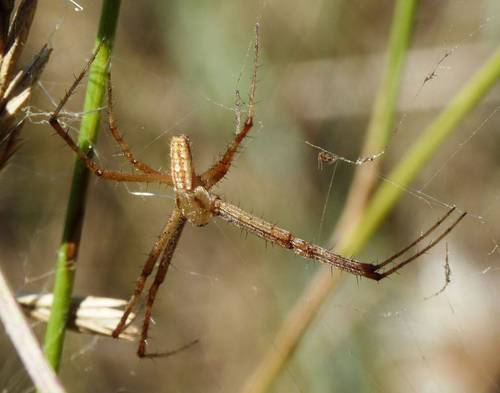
[[215, 173], [419, 253], [113, 128], [281, 237], [176, 222], [84, 154], [416, 241], [75, 84], [168, 231], [104, 173], [173, 351]]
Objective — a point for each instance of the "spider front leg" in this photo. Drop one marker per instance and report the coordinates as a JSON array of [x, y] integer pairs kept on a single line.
[[214, 174], [104, 173], [85, 155], [113, 128]]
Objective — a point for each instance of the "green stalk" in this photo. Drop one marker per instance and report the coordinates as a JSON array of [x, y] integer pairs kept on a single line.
[[68, 250], [381, 123], [382, 119], [422, 151]]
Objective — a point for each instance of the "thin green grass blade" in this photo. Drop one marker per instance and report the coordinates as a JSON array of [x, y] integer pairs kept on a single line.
[[68, 250], [382, 119]]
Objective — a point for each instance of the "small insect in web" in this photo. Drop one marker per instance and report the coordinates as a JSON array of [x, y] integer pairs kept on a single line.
[[198, 205], [327, 157]]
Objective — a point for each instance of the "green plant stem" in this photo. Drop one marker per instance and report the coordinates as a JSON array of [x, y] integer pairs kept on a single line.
[[382, 119], [377, 137], [68, 250], [381, 123]]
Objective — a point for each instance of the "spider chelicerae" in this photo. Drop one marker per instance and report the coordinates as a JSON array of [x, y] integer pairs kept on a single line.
[[196, 204]]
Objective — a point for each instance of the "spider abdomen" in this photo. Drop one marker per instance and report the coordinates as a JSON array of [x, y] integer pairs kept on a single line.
[[181, 164]]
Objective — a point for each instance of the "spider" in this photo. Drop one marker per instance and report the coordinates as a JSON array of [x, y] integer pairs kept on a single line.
[[327, 157], [196, 204]]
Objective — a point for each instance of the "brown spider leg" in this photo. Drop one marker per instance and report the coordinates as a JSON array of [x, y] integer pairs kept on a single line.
[[283, 238], [423, 251], [177, 223], [113, 128], [173, 351], [103, 173], [238, 217], [167, 232], [89, 163], [75, 83], [416, 241], [215, 173]]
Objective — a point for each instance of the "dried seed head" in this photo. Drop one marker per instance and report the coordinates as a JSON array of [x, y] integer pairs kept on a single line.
[[15, 87], [89, 314]]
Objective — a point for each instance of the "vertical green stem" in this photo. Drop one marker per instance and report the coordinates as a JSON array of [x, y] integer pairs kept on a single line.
[[68, 250], [382, 120]]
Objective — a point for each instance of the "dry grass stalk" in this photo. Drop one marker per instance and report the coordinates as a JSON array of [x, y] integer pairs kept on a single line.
[[15, 87]]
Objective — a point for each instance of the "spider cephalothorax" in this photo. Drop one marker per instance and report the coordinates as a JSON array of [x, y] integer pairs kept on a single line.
[[192, 198]]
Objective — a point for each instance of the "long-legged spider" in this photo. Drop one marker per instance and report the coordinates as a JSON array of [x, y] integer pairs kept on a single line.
[[197, 205]]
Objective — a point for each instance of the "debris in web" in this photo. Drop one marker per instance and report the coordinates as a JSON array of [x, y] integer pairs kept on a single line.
[[494, 249], [433, 73], [77, 7], [327, 157], [447, 276]]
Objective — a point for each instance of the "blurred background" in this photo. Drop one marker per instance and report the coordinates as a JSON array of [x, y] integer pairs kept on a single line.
[[175, 69]]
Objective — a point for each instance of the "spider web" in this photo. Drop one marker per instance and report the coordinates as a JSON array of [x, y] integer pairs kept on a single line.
[[227, 288]]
